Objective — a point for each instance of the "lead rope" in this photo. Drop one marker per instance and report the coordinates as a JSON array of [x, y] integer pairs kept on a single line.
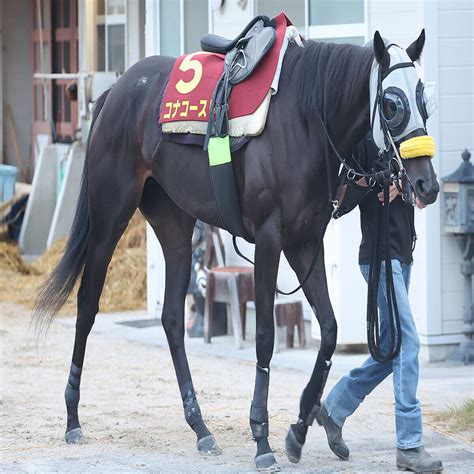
[[373, 326], [382, 230], [316, 250]]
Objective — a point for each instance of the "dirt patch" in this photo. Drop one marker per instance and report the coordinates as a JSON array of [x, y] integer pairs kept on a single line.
[[131, 411], [129, 397]]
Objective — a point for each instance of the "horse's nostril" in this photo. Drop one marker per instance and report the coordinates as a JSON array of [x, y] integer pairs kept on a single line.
[[427, 190]]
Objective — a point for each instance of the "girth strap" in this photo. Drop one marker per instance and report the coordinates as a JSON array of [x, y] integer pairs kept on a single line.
[[239, 63]]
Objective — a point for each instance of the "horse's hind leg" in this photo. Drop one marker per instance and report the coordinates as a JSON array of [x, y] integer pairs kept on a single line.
[[316, 292], [174, 230], [108, 219]]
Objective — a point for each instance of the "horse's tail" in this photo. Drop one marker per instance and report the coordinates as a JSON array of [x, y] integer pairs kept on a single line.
[[60, 283]]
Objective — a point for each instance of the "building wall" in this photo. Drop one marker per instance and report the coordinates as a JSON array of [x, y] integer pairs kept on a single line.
[[436, 288], [456, 128], [229, 20], [135, 31], [17, 70], [387, 17]]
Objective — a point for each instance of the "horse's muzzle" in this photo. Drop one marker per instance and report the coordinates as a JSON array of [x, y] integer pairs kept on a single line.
[[426, 190]]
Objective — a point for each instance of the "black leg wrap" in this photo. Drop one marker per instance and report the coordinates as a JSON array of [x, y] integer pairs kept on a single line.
[[258, 408], [311, 396], [192, 412], [72, 396]]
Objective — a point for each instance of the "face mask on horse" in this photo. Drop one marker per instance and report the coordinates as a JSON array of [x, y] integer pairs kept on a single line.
[[400, 106]]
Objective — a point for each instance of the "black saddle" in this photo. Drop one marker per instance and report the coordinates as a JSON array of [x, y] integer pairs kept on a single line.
[[219, 44]]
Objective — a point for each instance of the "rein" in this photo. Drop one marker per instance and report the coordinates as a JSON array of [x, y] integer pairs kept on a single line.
[[317, 247]]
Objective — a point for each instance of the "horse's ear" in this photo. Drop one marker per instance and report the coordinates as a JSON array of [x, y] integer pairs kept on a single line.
[[380, 51], [415, 49]]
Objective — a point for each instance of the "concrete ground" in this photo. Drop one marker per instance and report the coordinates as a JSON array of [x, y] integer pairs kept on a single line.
[[132, 418]]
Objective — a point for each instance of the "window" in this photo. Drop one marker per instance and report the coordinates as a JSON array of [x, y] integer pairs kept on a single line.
[[196, 24], [170, 27], [111, 30], [294, 10], [338, 22], [182, 24]]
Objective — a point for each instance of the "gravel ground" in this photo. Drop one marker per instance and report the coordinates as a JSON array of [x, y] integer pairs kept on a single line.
[[131, 412]]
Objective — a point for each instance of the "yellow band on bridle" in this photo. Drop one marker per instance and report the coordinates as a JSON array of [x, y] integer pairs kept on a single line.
[[418, 146]]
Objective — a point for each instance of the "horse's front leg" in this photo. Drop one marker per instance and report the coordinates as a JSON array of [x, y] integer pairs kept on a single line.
[[267, 256], [316, 291]]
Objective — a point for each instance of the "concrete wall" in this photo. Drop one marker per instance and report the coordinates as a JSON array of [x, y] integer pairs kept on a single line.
[[66, 202], [42, 202], [17, 70], [40, 208]]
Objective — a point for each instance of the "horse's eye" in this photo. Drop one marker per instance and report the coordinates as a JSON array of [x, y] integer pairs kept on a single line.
[[389, 108], [395, 109]]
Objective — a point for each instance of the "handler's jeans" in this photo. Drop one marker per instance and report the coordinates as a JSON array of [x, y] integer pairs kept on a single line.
[[351, 390]]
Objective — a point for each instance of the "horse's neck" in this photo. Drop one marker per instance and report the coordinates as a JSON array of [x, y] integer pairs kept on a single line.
[[350, 121]]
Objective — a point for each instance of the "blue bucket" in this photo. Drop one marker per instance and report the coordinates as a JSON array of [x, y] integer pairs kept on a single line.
[[7, 182]]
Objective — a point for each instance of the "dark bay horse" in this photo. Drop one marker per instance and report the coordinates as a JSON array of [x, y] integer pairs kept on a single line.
[[282, 180]]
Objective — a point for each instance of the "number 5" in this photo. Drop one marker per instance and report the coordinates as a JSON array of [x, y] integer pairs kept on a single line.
[[189, 63]]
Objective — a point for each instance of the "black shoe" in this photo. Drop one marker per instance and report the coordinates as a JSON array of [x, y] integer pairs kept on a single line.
[[334, 434], [417, 460]]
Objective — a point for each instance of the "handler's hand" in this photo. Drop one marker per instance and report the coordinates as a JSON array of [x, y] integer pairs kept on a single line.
[[392, 194]]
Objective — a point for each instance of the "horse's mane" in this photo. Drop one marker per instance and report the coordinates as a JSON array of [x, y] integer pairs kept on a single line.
[[328, 74]]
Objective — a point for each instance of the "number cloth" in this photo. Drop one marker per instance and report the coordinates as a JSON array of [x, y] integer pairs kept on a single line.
[[194, 77]]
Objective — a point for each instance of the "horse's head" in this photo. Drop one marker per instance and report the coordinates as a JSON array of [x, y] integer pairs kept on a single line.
[[400, 106]]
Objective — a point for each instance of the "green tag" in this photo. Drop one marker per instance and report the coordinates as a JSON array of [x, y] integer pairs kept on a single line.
[[219, 151]]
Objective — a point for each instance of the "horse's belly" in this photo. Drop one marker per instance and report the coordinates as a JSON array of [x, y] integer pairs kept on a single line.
[[183, 172]]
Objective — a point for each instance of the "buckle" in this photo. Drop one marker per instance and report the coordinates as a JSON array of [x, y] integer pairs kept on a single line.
[[351, 174]]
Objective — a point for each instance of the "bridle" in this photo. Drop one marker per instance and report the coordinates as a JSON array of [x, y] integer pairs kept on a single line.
[[406, 187]]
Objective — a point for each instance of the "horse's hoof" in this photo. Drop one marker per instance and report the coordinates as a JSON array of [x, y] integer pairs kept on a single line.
[[74, 436], [208, 445], [267, 463], [293, 447]]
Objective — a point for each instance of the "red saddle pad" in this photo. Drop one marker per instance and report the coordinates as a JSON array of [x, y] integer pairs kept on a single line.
[[194, 77]]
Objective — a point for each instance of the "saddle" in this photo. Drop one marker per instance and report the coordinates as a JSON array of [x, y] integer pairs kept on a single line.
[[242, 56]]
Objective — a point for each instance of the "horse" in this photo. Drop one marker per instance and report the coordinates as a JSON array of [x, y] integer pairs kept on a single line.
[[283, 177]]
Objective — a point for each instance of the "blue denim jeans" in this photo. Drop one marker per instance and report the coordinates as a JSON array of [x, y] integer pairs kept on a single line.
[[351, 390]]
